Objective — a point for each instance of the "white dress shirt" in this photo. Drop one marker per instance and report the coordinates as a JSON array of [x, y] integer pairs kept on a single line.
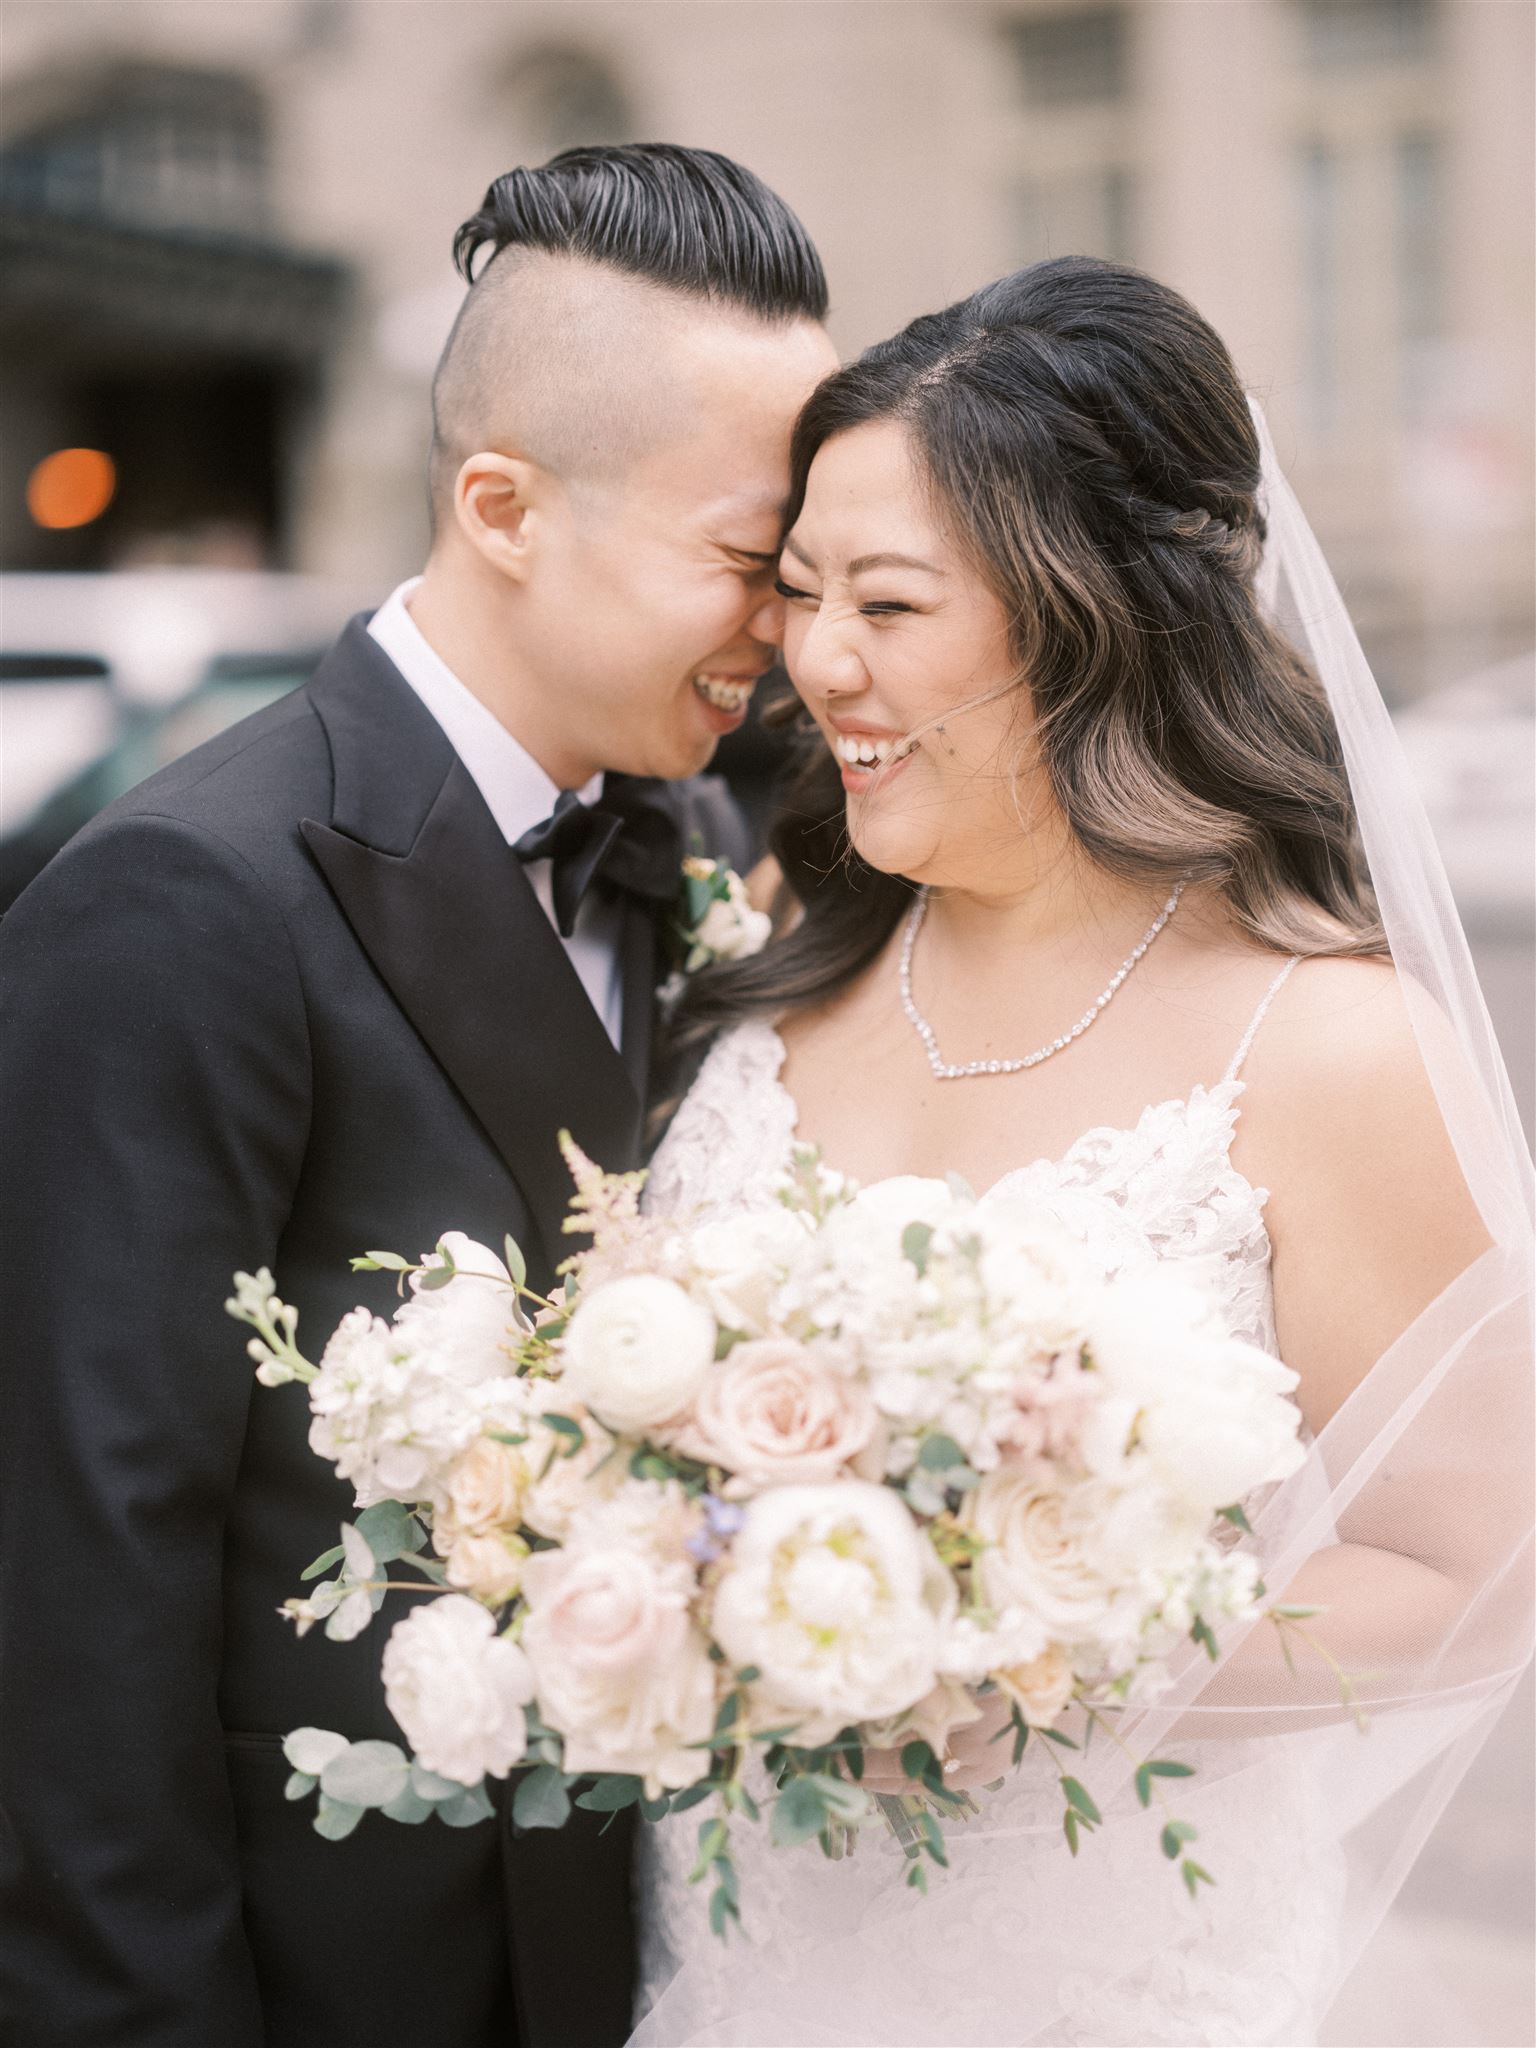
[[517, 792]]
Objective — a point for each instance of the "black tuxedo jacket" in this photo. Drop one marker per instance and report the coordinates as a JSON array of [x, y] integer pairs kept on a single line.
[[291, 999]]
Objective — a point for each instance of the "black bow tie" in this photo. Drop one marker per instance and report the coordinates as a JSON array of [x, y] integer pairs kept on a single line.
[[627, 840]]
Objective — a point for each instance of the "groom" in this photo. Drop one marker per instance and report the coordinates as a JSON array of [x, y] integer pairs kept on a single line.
[[335, 981]]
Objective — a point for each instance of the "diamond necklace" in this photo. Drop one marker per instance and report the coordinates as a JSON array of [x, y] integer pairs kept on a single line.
[[942, 1071]]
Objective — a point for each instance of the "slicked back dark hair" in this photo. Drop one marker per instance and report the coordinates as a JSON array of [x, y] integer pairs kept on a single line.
[[687, 219]]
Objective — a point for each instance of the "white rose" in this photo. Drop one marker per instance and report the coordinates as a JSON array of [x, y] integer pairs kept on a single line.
[[458, 1690], [622, 1672], [637, 1351], [730, 930], [774, 1414], [1040, 1554], [740, 1261], [839, 1600]]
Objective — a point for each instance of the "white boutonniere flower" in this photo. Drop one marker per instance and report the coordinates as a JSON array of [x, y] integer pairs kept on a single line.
[[716, 920]]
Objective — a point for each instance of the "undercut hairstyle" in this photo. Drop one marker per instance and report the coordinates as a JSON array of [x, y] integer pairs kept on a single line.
[[578, 271], [1085, 434]]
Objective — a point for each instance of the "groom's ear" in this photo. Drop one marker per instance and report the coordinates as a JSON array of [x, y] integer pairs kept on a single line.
[[501, 504]]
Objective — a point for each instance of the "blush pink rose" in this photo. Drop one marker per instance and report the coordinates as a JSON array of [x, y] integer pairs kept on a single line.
[[776, 1415]]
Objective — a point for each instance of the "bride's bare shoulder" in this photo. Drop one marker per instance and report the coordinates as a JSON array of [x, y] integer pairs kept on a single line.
[[1339, 1099]]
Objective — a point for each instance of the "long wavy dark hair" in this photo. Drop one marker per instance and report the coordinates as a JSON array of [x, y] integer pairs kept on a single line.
[[1087, 435]]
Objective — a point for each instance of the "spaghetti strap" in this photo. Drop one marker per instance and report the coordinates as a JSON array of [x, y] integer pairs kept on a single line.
[[1259, 1015]]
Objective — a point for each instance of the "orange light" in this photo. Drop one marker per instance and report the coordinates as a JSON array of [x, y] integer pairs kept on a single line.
[[71, 487]]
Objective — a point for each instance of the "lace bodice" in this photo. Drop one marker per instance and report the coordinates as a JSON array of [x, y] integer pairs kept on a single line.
[[1164, 1189], [1032, 1947]]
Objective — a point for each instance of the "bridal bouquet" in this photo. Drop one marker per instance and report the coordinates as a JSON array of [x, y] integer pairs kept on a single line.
[[761, 1494]]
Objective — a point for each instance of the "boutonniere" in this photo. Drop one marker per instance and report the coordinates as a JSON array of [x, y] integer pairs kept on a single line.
[[715, 920]]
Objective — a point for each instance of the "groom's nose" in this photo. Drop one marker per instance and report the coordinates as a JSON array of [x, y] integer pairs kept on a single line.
[[767, 622]]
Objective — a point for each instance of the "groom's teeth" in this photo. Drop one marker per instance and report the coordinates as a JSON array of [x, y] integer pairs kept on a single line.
[[726, 693], [859, 750]]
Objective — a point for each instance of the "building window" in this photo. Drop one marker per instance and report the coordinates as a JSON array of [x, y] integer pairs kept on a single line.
[[1320, 196], [1081, 214], [1072, 59], [1344, 35], [1417, 178], [148, 147]]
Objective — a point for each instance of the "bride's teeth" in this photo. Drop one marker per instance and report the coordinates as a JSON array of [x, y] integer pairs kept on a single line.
[[857, 750], [724, 692]]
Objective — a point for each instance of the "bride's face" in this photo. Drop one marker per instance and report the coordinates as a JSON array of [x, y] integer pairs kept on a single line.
[[900, 652]]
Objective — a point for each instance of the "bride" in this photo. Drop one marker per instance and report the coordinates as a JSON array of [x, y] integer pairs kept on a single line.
[[1074, 904]]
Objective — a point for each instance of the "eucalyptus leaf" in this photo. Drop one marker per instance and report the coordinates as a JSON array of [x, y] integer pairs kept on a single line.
[[366, 1774], [429, 1786], [351, 1617], [611, 1794], [322, 1563], [517, 1265], [436, 1277], [336, 1820], [407, 1807], [915, 1241], [940, 1454], [388, 1262], [469, 1806], [300, 1785], [541, 1800], [386, 1528], [311, 1749], [1079, 1797], [798, 1813]]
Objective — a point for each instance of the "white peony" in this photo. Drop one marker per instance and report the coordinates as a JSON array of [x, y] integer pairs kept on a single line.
[[469, 1329], [622, 1671], [839, 1601], [458, 1690], [1213, 1414], [637, 1350]]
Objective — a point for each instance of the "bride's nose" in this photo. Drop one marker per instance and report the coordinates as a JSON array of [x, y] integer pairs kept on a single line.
[[820, 657]]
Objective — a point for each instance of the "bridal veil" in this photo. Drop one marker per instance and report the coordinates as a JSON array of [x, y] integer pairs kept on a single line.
[[1308, 1821]]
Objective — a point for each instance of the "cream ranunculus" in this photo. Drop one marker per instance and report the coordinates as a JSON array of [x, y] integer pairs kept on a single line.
[[637, 1351], [840, 1602], [1040, 1554], [490, 1567], [1041, 1688], [774, 1414], [731, 929], [483, 1489], [622, 1672], [458, 1690]]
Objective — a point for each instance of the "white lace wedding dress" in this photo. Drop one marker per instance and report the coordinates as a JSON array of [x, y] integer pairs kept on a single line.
[[1018, 1942]]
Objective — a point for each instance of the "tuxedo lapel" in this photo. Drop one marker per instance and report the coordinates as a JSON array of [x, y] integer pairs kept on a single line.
[[640, 948], [442, 908]]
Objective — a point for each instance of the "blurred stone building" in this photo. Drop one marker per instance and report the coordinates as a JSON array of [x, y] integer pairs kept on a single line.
[[225, 228]]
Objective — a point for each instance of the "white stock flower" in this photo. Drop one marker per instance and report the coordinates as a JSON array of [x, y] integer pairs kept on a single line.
[[637, 1350], [839, 1600], [458, 1690], [622, 1671]]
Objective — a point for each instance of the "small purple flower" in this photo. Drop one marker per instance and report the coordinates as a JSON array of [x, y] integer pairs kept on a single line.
[[722, 1519]]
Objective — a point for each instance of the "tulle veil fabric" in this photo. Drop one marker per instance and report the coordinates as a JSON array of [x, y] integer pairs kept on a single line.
[[1429, 1460]]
